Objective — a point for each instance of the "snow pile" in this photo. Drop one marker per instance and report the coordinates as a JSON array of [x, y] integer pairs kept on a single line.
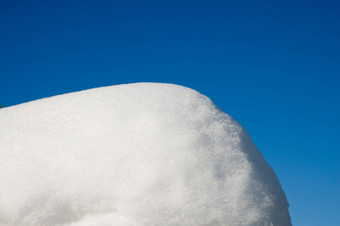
[[139, 154]]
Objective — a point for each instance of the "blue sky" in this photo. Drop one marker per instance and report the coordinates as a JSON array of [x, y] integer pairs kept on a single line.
[[272, 65]]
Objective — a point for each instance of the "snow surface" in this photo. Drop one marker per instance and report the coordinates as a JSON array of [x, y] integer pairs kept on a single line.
[[142, 154]]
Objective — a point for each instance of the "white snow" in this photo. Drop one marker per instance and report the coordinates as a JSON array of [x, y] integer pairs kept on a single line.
[[142, 154]]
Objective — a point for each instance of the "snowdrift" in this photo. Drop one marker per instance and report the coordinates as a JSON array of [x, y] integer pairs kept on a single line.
[[141, 154]]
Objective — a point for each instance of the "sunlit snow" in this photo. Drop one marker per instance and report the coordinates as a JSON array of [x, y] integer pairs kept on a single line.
[[141, 154]]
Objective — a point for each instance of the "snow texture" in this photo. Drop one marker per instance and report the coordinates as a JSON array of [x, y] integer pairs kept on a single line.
[[142, 154]]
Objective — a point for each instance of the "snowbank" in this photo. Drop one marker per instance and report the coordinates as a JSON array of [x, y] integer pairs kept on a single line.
[[140, 154]]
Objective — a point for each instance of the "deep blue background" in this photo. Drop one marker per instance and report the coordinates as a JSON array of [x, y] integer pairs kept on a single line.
[[272, 65]]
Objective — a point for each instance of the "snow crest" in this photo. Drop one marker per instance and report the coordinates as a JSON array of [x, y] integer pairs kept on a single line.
[[142, 154]]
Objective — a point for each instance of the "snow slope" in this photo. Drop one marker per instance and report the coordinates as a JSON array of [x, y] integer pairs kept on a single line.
[[142, 154]]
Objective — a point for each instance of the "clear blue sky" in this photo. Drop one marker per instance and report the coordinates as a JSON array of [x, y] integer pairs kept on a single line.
[[272, 65]]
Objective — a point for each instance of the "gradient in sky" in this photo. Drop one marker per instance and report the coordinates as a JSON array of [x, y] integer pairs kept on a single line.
[[272, 65]]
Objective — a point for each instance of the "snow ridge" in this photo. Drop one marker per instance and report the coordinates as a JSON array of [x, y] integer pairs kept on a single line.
[[143, 154]]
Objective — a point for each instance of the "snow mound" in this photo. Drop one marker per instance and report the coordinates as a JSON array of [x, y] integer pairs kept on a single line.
[[141, 154]]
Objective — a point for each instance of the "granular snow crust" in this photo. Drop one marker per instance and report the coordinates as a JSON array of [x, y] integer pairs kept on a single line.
[[142, 154]]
